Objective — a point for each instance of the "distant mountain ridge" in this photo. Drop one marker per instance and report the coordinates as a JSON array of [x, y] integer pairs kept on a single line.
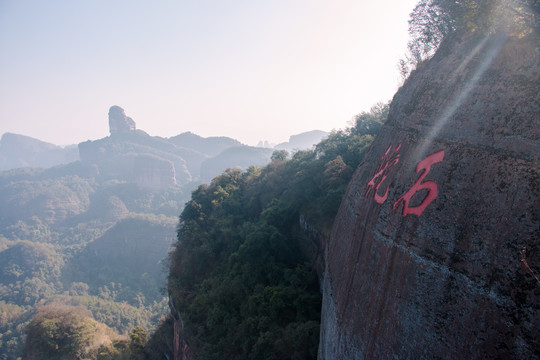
[[305, 140], [88, 225], [210, 146], [23, 151], [152, 162]]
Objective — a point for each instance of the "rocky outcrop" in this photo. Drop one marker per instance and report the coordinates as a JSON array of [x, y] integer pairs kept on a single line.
[[154, 173], [435, 251], [119, 122], [134, 156], [314, 246]]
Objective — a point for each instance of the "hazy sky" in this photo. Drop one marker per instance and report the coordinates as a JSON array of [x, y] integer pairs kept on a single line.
[[252, 70]]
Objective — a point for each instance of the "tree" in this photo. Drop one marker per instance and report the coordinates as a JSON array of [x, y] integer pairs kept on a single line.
[[61, 332], [139, 338], [240, 274], [279, 155], [429, 24], [433, 21], [370, 123]]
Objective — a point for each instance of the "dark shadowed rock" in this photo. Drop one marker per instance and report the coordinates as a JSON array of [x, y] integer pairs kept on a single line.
[[119, 122], [435, 251]]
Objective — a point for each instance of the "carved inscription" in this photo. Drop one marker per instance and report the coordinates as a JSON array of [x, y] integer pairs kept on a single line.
[[431, 186], [388, 161]]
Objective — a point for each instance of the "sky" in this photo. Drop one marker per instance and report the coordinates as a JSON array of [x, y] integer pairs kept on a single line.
[[249, 69]]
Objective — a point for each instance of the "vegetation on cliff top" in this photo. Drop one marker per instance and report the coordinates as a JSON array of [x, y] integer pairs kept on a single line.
[[433, 21]]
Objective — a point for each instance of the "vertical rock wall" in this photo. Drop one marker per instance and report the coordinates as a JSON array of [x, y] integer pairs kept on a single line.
[[154, 173], [181, 350], [435, 251], [119, 122]]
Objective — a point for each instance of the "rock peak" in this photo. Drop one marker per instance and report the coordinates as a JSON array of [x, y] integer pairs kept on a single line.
[[119, 122]]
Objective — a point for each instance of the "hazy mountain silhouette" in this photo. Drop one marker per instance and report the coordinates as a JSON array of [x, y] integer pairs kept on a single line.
[[18, 151], [302, 141]]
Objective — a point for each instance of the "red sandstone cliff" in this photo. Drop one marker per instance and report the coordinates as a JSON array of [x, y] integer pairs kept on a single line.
[[435, 252]]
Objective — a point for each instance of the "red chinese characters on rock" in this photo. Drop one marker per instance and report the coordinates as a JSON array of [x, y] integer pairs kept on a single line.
[[431, 186], [389, 160]]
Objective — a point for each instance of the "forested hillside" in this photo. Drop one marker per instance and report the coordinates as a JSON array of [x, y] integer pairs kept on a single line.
[[242, 280], [85, 244], [105, 256], [271, 237]]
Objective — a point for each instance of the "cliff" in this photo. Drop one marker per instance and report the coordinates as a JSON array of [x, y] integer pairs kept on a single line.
[[154, 173], [137, 157], [157, 163], [435, 251]]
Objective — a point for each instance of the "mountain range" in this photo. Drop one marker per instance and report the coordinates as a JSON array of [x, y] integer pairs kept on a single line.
[[91, 224]]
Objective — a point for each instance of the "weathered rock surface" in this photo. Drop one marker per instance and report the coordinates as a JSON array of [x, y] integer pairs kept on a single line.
[[181, 350], [119, 122], [154, 173], [435, 251]]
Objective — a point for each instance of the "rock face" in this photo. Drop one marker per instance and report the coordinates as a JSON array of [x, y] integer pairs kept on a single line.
[[119, 122], [435, 251], [154, 173], [132, 155], [181, 350]]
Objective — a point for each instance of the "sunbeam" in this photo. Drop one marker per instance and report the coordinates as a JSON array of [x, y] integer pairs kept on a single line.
[[488, 48]]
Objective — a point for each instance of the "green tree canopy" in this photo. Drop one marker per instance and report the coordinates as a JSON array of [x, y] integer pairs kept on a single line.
[[242, 274], [433, 21]]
